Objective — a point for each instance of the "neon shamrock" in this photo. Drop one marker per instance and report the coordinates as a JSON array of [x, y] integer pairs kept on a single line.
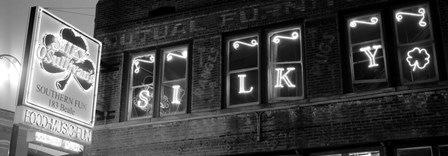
[[418, 58]]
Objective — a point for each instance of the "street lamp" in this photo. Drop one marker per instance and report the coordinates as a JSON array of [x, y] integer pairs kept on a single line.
[[10, 71], [10, 68]]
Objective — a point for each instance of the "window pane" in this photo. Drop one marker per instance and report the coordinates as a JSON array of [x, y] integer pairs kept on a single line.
[[143, 69], [244, 87], [415, 45], [367, 52], [285, 46], [142, 101], [365, 28], [243, 53], [412, 24], [287, 80], [175, 66], [443, 150], [142, 89], [174, 98], [286, 63], [418, 63], [418, 151]]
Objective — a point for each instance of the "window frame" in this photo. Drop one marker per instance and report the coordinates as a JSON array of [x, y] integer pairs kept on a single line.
[[412, 148], [393, 60], [351, 45], [346, 152], [272, 63], [431, 41], [131, 87], [159, 64], [185, 79], [440, 146], [228, 72]]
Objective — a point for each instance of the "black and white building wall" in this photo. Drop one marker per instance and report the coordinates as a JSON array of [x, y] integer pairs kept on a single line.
[[281, 77]]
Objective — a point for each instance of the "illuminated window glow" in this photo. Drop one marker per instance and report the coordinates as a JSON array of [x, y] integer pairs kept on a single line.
[[373, 21], [242, 91], [369, 54], [416, 63], [169, 57], [284, 77], [252, 43], [421, 13], [176, 94], [294, 36]]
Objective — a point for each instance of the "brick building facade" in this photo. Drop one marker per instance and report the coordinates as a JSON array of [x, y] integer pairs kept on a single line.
[[316, 77]]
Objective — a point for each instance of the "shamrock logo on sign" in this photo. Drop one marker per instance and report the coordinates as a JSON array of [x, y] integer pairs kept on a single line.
[[67, 53], [418, 58]]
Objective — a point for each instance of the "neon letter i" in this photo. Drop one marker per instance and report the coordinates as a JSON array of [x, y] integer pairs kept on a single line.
[[176, 94]]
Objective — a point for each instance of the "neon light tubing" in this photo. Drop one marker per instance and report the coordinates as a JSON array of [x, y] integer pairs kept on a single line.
[[373, 21], [169, 57], [294, 36], [284, 77], [415, 63], [252, 43], [242, 91], [176, 95], [421, 13], [369, 54], [137, 61], [143, 99]]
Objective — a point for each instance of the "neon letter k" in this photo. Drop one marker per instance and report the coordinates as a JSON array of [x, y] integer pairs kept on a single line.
[[284, 77]]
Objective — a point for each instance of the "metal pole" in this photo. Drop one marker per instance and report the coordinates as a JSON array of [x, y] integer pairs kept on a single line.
[[18, 145]]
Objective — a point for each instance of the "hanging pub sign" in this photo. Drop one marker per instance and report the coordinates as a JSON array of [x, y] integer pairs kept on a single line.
[[61, 69]]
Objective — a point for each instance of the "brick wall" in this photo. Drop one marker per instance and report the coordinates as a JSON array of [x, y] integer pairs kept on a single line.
[[325, 118], [355, 120]]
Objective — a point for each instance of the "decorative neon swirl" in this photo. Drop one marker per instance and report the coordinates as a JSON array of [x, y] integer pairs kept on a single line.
[[253, 43], [294, 35], [169, 57], [369, 54], [242, 91], [137, 61], [416, 63], [373, 21], [284, 77], [421, 13]]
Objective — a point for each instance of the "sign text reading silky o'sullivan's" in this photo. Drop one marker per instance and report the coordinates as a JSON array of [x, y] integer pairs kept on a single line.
[[58, 126]]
